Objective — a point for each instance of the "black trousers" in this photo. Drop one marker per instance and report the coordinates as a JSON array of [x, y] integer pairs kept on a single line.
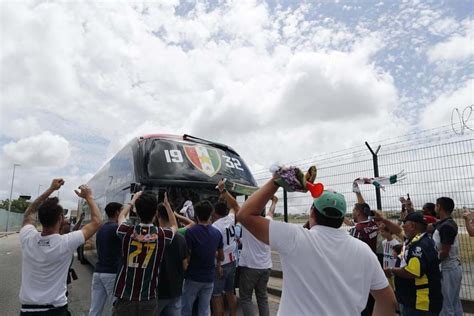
[[55, 311]]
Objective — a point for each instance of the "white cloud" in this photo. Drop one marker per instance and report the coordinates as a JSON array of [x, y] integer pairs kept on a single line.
[[224, 73], [438, 112], [457, 47], [43, 150], [276, 83], [20, 128], [33, 181], [444, 26], [334, 87]]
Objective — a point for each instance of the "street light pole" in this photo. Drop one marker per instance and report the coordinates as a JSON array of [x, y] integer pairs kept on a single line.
[[39, 190], [11, 193]]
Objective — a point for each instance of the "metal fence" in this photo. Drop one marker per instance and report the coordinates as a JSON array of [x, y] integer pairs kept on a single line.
[[437, 162], [14, 221]]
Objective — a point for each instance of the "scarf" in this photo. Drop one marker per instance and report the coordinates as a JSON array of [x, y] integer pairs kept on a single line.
[[378, 182]]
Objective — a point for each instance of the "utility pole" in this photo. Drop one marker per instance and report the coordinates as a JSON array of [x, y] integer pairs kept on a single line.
[[11, 193]]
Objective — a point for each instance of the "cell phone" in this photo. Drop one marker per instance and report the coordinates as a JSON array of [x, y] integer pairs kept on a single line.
[[135, 187]]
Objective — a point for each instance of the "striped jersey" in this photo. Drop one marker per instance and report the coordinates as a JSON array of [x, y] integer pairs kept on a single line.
[[366, 231], [142, 249]]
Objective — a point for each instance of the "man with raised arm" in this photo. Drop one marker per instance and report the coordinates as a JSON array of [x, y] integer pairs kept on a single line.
[[366, 230], [47, 254], [224, 220], [315, 261], [172, 268], [255, 263], [143, 246]]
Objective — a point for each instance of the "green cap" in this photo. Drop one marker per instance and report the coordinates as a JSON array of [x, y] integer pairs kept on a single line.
[[331, 199]]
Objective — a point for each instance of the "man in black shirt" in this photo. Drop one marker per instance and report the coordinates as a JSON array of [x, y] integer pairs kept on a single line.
[[171, 277], [446, 240], [418, 280], [108, 253]]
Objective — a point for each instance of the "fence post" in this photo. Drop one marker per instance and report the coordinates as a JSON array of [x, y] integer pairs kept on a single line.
[[285, 206], [375, 159]]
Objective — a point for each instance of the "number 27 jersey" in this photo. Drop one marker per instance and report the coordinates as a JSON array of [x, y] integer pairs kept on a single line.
[[142, 249]]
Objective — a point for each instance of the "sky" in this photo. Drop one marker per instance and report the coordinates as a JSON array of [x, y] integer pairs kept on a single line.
[[276, 80]]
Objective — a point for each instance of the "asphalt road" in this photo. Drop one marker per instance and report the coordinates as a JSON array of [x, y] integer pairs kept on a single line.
[[10, 274], [79, 290]]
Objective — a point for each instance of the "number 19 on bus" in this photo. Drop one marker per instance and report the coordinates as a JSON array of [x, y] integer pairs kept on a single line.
[[173, 155]]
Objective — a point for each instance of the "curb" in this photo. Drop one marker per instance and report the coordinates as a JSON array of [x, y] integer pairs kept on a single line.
[[274, 291], [5, 234]]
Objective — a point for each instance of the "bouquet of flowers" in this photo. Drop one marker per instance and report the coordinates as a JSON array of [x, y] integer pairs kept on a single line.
[[292, 179]]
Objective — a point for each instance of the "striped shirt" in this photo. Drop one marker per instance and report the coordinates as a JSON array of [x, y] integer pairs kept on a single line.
[[142, 249], [366, 231]]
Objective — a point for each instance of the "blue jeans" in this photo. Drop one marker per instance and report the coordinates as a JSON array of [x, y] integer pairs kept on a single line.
[[450, 287], [169, 307], [102, 294], [193, 290]]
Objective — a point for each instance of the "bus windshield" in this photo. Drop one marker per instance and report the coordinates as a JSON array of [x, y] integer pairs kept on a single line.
[[180, 160]]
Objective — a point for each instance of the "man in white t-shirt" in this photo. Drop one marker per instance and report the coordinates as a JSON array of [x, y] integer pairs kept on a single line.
[[224, 220], [47, 254], [255, 264], [321, 264]]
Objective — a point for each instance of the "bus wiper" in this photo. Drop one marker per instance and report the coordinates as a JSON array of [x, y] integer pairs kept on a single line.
[[207, 142]]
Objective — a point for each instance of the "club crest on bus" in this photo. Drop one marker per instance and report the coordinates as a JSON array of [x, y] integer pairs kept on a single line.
[[205, 159]]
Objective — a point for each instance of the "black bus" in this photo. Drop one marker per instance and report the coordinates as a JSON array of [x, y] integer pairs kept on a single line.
[[186, 167]]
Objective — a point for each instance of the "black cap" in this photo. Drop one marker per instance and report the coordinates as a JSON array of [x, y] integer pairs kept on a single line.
[[416, 217]]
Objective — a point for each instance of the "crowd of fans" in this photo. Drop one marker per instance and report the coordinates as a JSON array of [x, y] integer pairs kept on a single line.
[[164, 263]]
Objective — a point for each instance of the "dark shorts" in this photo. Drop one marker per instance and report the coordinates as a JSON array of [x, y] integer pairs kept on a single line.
[[226, 283], [132, 308]]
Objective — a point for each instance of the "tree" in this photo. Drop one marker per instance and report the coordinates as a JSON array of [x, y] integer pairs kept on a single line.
[[18, 206]]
